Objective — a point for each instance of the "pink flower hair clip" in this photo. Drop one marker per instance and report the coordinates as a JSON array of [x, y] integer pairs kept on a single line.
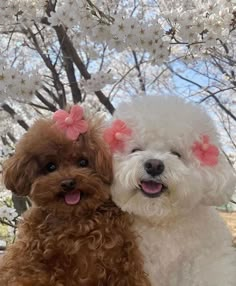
[[72, 123], [205, 152], [116, 135]]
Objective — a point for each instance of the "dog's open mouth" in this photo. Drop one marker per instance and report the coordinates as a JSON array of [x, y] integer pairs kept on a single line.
[[152, 189], [71, 198]]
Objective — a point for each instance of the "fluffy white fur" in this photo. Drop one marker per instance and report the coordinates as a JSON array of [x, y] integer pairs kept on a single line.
[[182, 237]]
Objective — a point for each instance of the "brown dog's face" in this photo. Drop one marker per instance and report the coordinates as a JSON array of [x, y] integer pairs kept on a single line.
[[61, 175]]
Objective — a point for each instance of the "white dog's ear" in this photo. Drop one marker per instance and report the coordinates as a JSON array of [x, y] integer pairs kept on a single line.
[[220, 184]]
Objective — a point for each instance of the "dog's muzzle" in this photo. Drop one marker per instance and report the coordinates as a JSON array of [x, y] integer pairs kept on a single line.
[[153, 187], [70, 193]]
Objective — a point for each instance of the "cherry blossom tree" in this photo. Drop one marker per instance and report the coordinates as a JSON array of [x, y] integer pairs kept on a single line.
[[100, 52]]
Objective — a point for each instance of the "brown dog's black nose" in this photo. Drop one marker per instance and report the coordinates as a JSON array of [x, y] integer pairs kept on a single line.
[[154, 167], [68, 185]]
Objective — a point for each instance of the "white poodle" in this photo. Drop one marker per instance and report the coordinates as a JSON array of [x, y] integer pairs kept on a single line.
[[169, 175]]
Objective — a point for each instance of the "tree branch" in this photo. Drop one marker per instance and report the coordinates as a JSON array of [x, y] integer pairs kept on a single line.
[[50, 106], [137, 66], [11, 111], [211, 94], [70, 71], [67, 45], [57, 83]]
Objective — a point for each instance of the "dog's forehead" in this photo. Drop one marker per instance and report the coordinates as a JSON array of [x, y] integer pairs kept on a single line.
[[171, 121], [53, 151], [42, 140], [64, 146]]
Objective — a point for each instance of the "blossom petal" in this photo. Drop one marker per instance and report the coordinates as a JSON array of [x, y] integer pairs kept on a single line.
[[82, 126], [196, 147], [121, 127], [213, 150], [60, 115], [76, 112], [109, 135], [210, 160], [118, 124], [72, 133], [61, 125]]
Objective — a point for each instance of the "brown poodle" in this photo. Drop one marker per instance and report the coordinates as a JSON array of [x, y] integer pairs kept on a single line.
[[73, 234]]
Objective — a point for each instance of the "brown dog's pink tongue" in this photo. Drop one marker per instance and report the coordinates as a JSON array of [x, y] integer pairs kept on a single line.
[[151, 187], [73, 197]]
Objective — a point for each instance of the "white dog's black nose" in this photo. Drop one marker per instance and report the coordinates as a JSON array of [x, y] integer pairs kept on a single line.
[[154, 167], [68, 185]]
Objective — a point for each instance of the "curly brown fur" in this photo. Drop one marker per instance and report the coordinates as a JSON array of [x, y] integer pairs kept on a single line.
[[59, 244]]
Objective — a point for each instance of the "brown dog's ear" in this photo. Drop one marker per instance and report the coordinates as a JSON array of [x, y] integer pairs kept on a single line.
[[18, 174]]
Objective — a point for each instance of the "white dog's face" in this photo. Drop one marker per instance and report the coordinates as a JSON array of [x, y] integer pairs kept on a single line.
[[157, 174]]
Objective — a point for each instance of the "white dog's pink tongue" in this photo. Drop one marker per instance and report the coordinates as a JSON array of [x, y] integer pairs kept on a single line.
[[73, 197], [151, 187]]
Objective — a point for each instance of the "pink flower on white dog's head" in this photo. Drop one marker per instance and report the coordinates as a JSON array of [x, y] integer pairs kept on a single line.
[[116, 135], [206, 153], [71, 123]]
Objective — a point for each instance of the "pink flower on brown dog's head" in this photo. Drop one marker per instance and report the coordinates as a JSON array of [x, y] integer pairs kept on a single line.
[[205, 152], [116, 135], [71, 123]]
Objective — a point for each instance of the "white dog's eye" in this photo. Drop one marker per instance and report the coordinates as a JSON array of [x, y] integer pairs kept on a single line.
[[175, 153], [135, 150]]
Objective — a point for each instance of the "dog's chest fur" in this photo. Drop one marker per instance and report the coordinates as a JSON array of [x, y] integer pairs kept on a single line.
[[171, 251], [96, 249]]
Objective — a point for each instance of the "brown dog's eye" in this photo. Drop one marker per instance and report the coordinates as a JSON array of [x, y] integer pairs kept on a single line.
[[176, 154], [50, 167], [83, 162]]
